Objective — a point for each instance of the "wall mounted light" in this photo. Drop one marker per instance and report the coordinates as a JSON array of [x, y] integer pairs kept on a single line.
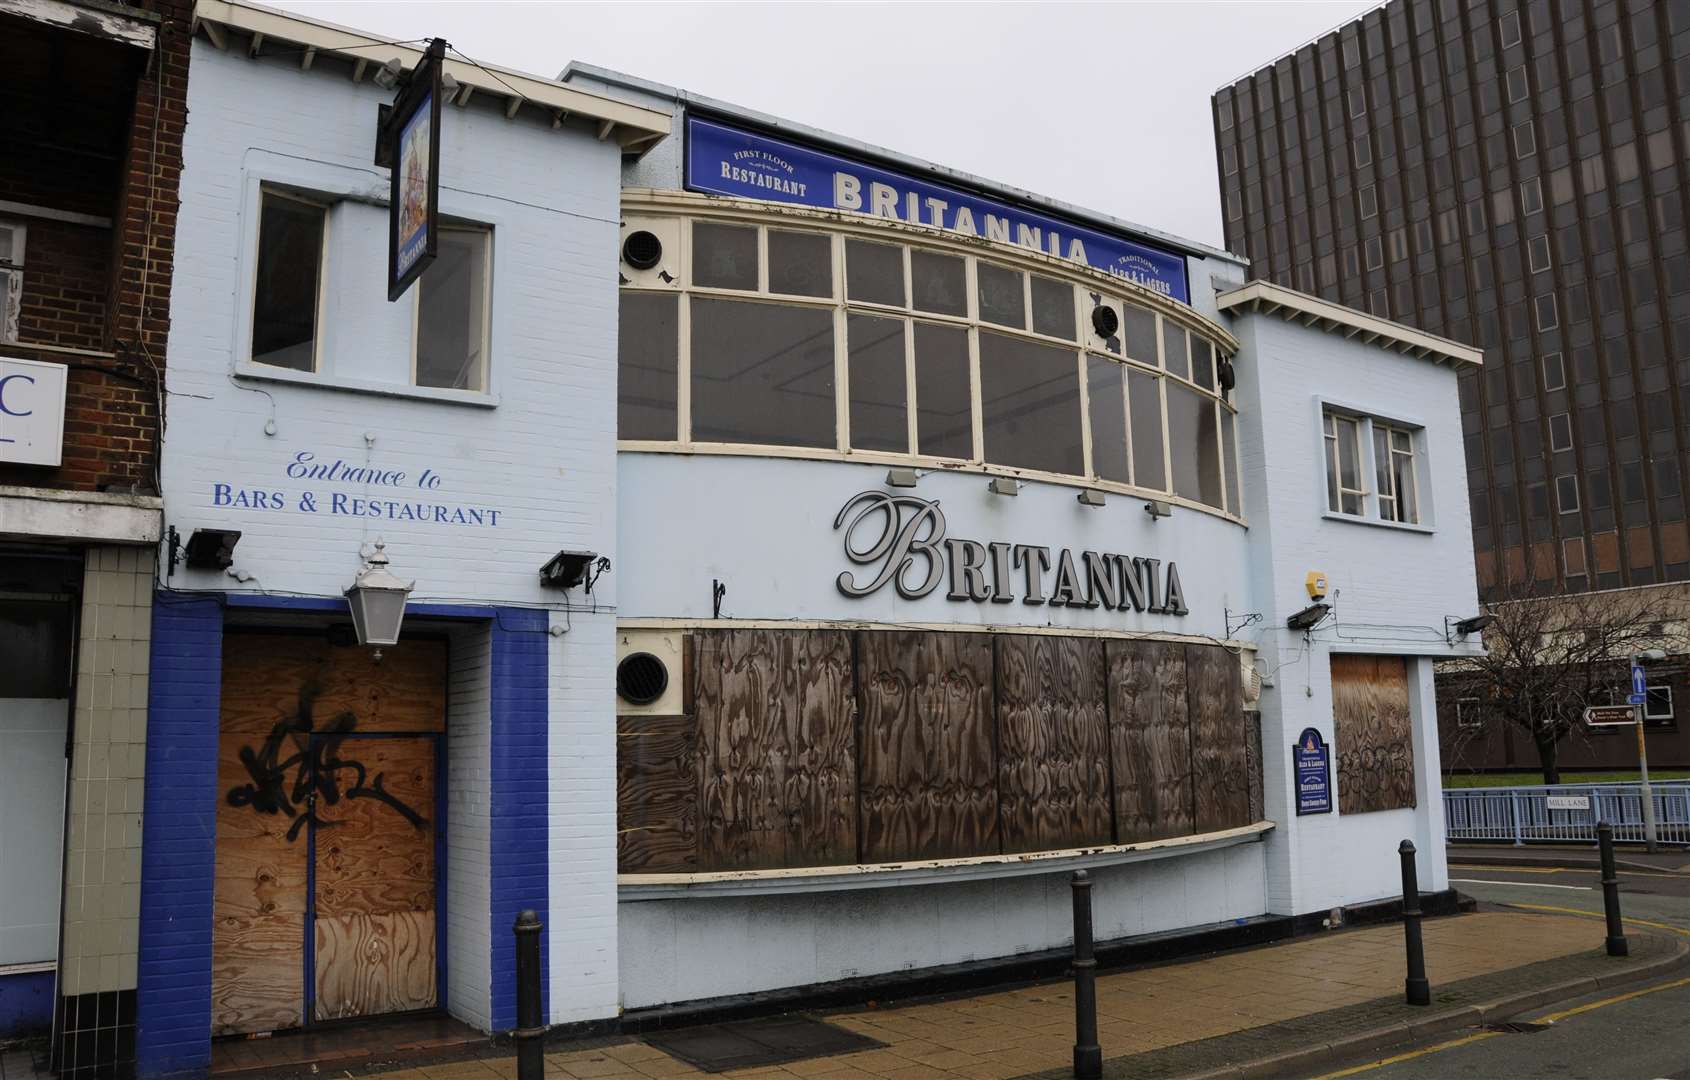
[[566, 569], [1308, 618], [1156, 508], [387, 76], [1004, 485], [1092, 497], [377, 599], [902, 478], [211, 549], [1475, 624]]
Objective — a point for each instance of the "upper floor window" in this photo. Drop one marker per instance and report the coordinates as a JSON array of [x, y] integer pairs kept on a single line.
[[1359, 447], [295, 278], [775, 336], [12, 235]]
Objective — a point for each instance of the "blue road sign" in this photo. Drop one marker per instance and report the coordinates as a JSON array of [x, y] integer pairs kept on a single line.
[[1639, 688]]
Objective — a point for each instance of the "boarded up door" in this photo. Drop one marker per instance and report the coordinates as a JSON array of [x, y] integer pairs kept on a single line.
[[327, 763], [1373, 734]]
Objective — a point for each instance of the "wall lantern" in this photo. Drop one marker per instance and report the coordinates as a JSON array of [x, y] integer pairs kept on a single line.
[[377, 600]]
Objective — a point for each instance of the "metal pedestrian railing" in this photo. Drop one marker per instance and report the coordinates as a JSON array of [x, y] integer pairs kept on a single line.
[[1566, 813]]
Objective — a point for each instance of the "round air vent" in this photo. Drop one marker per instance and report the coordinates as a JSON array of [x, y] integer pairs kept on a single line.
[[1105, 321], [641, 678], [642, 250]]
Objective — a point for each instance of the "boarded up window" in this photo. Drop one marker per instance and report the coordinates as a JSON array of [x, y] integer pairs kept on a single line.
[[1053, 743], [1219, 761], [777, 772], [929, 764], [1150, 740], [1374, 740], [657, 794]]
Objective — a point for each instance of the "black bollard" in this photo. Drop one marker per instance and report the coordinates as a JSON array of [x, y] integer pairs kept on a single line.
[[1611, 891], [1088, 1056], [1419, 990], [530, 1028]]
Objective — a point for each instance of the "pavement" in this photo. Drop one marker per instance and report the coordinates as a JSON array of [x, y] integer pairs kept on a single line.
[[1292, 1008]]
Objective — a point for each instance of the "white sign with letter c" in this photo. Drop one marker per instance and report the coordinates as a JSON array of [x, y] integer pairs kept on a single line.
[[32, 412]]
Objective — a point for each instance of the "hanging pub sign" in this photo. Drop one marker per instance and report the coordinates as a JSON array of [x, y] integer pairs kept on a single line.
[[1311, 761], [411, 137], [724, 160]]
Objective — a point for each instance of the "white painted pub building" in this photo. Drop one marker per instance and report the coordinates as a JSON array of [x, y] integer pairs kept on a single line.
[[815, 556]]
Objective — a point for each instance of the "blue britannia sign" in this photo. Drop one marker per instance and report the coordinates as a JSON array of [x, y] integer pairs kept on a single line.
[[723, 160], [1311, 761]]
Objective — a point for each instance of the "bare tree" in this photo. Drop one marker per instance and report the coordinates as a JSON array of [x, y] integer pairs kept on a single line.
[[1548, 657]]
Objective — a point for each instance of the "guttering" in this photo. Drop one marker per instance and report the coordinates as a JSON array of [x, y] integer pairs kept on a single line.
[[633, 127], [1261, 297]]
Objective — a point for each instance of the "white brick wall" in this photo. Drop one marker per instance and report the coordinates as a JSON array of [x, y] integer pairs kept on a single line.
[[469, 973]]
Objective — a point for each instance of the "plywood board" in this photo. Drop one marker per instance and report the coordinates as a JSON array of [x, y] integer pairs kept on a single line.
[[257, 973], [1053, 742], [1220, 763], [371, 964], [1150, 740], [777, 770], [375, 826], [928, 759], [303, 681], [1372, 733], [657, 794]]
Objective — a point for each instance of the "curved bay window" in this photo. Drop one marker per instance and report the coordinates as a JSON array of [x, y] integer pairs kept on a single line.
[[777, 339]]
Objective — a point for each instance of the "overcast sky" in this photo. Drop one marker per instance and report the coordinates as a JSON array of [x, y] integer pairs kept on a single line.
[[1102, 105]]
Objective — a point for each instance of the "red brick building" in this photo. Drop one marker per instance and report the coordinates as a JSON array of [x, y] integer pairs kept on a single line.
[[92, 110]]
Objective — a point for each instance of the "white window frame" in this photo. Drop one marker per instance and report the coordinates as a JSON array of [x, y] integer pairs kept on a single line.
[[327, 207], [484, 367], [1666, 686], [1534, 184], [13, 272], [1562, 504], [1554, 320], [1554, 445], [1533, 245], [1510, 23], [1519, 154], [1560, 382], [1525, 83], [1465, 705], [1334, 475], [1394, 497], [1373, 502]]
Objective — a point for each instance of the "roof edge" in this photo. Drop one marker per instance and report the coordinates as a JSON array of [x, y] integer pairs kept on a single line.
[[1266, 298], [635, 128], [858, 148]]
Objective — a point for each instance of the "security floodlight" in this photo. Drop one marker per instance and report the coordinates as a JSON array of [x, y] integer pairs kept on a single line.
[[1474, 624], [1651, 654], [1308, 618], [566, 569], [387, 76], [902, 478], [1092, 497], [1157, 508], [1004, 485], [377, 599], [211, 549]]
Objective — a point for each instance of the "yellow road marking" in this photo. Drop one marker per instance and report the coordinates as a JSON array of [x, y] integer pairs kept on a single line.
[[1551, 1018], [1563, 870], [1601, 915], [1382, 1062], [1564, 1013]]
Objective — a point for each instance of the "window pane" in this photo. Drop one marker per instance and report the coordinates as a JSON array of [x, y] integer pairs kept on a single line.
[[1382, 465], [1030, 403], [800, 263], [1408, 504], [1193, 445], [1229, 463], [1349, 467], [762, 373], [1332, 503], [452, 314], [939, 283], [1202, 363], [878, 384], [1053, 308], [944, 408], [1001, 298], [1144, 399], [1108, 419], [290, 255], [874, 273], [1173, 351], [724, 256], [645, 366], [1139, 327]]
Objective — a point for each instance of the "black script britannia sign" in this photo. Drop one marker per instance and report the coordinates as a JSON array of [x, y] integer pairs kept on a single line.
[[900, 540]]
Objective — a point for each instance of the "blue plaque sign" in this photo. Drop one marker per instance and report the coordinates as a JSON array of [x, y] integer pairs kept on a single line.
[[724, 160], [1311, 761]]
